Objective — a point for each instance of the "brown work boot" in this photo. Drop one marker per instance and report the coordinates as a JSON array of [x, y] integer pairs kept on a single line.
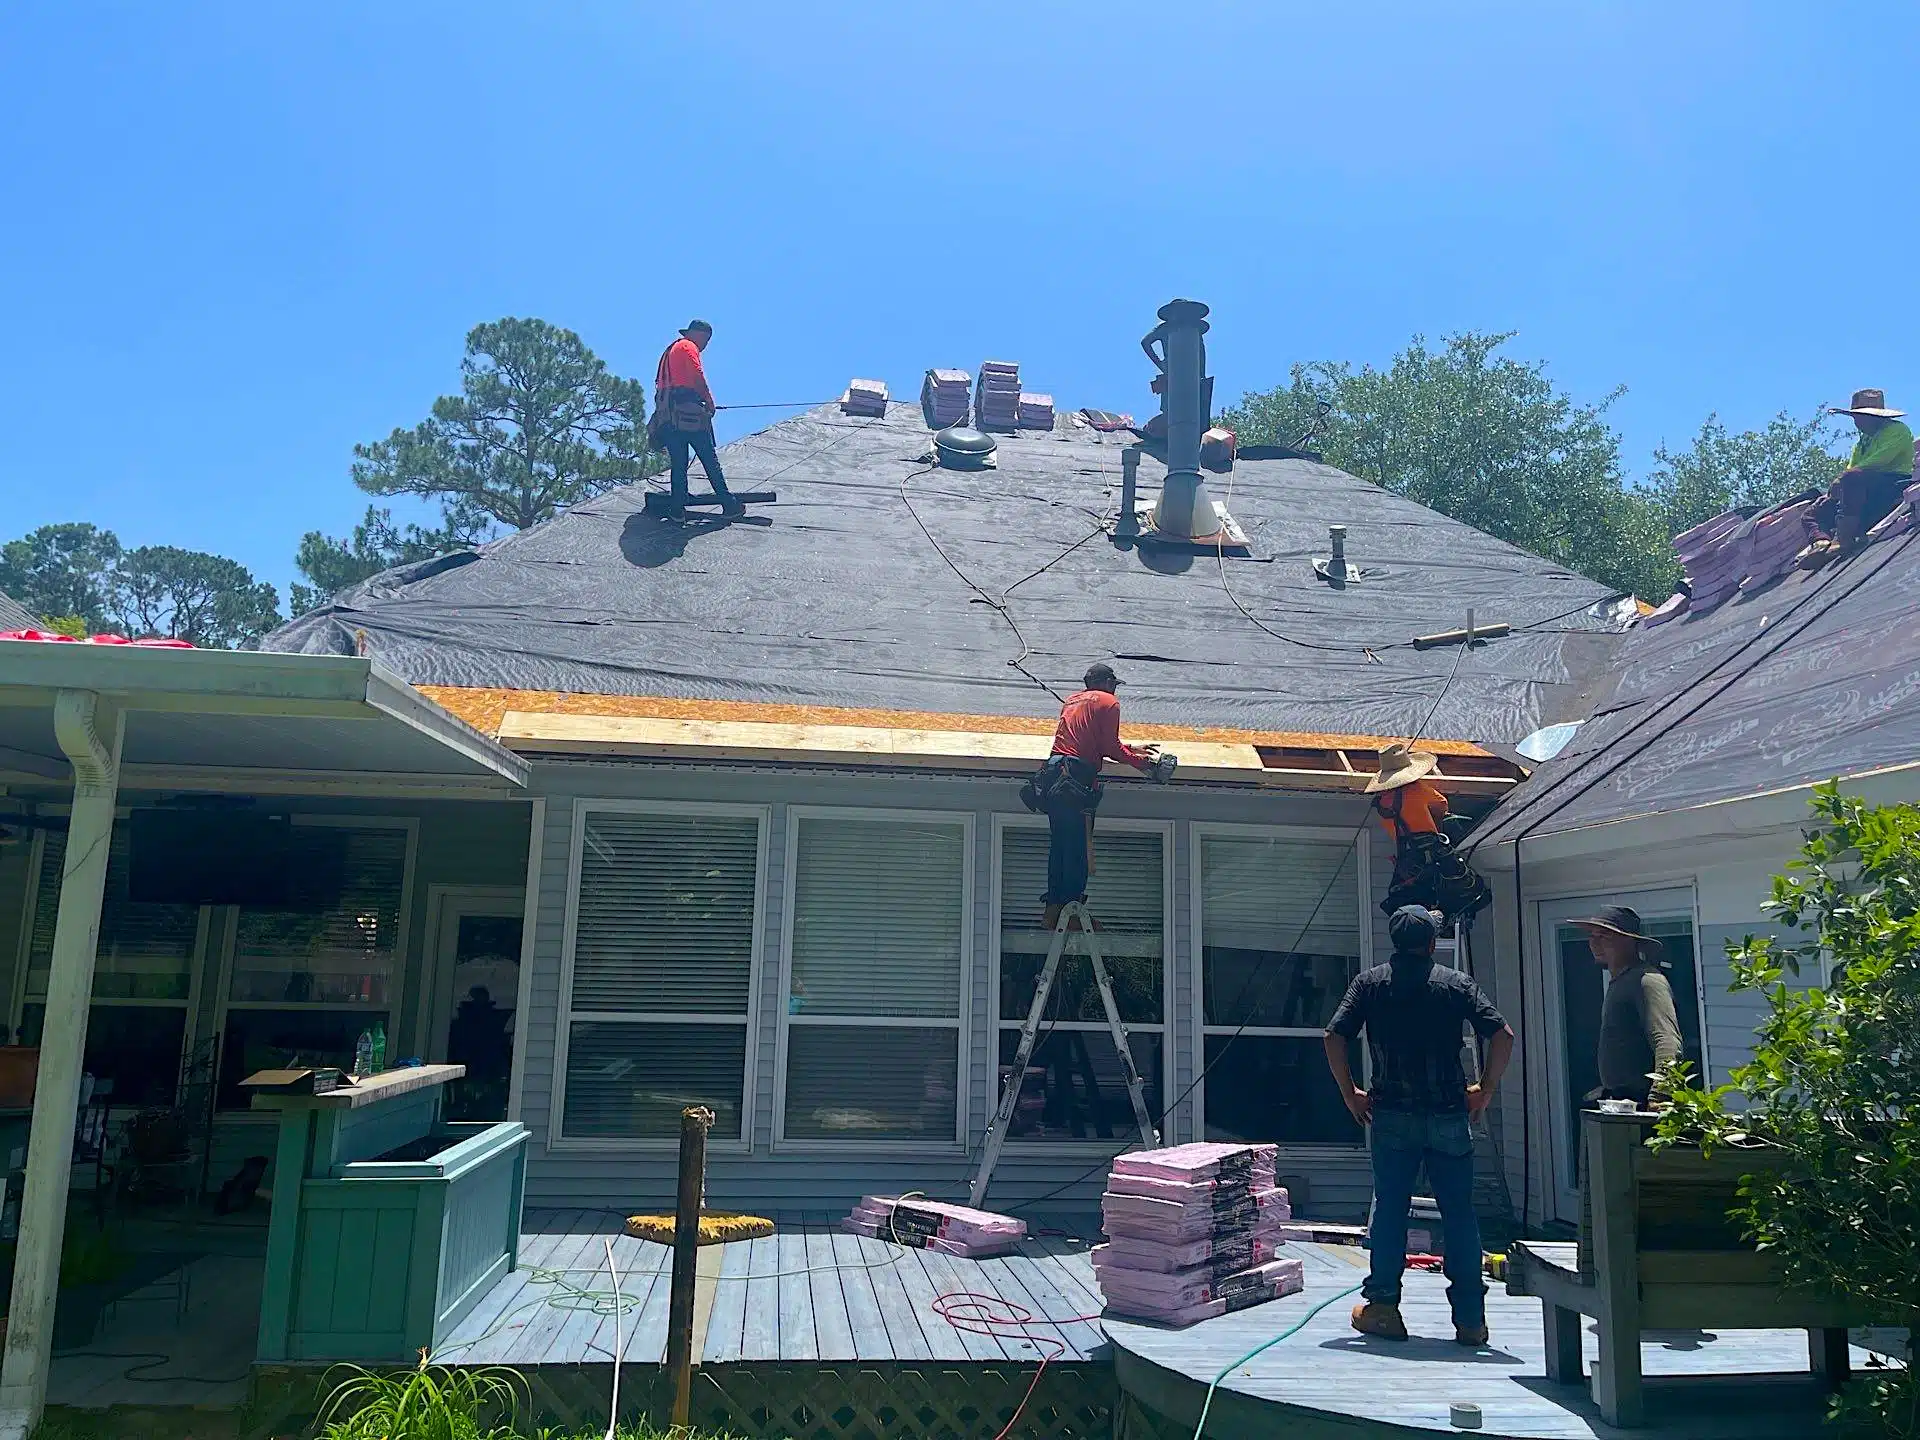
[[1472, 1336], [1373, 1318]]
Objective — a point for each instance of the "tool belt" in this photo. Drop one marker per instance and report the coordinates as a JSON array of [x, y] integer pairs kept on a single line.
[[1064, 783], [1426, 871], [681, 408]]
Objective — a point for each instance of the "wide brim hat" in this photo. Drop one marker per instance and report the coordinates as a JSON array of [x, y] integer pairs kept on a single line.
[[1869, 402], [1400, 765], [1620, 920]]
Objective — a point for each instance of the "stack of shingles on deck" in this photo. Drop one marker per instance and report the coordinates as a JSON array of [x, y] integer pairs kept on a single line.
[[934, 1225], [944, 397], [1194, 1231]]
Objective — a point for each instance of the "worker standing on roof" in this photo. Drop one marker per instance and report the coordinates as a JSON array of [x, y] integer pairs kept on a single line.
[[1639, 1026], [683, 412], [1067, 789], [1425, 869], [1868, 490]]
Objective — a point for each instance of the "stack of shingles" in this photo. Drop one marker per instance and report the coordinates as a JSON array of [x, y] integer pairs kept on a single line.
[[1036, 411], [1193, 1231], [1735, 554], [934, 1225], [996, 399], [944, 396], [864, 397]]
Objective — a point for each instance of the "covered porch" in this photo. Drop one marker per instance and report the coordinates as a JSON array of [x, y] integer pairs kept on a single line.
[[140, 793]]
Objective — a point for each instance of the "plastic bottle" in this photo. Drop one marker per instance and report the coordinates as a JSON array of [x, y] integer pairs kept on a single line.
[[363, 1055], [379, 1046]]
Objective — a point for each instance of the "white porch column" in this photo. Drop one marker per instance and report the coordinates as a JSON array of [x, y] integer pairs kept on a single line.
[[90, 730]]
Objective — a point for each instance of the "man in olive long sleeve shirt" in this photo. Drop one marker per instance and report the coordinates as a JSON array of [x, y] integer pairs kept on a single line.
[[1639, 1027]]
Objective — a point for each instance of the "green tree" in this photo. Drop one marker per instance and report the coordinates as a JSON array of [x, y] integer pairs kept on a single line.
[[63, 572], [1719, 471], [331, 565], [1483, 438], [540, 423], [1832, 1094], [189, 595]]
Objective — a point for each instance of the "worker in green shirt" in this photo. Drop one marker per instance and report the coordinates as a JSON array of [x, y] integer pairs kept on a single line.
[[1868, 490]]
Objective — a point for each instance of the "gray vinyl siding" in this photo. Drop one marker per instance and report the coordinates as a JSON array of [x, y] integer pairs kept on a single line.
[[792, 1177], [16, 864]]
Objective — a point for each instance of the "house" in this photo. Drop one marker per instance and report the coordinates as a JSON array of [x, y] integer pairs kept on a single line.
[[1682, 795], [15, 616], [781, 867]]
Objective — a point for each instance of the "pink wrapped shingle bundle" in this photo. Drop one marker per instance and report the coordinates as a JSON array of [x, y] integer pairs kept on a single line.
[[1169, 1221], [996, 396], [1183, 1299], [1778, 536], [1221, 1254], [1206, 1160], [935, 1225], [865, 397], [1036, 412], [946, 397], [1675, 605]]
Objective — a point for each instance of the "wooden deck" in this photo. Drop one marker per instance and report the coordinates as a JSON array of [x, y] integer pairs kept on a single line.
[[806, 1293], [1327, 1381]]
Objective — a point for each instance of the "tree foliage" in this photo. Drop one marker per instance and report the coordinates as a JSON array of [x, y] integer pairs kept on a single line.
[[1719, 471], [539, 423], [81, 579], [1833, 1089], [331, 565]]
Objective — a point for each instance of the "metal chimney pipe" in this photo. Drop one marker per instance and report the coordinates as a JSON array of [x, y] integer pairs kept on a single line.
[[1338, 565], [1129, 521], [1185, 509]]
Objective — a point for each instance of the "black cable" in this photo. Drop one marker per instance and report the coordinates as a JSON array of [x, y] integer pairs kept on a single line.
[[780, 405], [152, 1361], [799, 460]]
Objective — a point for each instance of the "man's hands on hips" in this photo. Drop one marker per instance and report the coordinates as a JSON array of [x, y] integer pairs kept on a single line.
[[1360, 1106], [1478, 1098]]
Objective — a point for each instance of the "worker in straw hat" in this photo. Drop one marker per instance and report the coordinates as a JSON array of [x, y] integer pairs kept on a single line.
[[1639, 1026], [1425, 869], [1870, 488]]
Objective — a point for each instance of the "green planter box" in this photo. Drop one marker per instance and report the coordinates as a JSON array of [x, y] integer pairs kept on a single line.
[[388, 1224]]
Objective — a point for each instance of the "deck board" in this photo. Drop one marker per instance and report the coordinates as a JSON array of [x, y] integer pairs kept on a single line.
[[508, 1304], [946, 1279], [832, 1324], [866, 1325], [907, 1324], [760, 1335], [795, 1298], [729, 1315], [643, 1338]]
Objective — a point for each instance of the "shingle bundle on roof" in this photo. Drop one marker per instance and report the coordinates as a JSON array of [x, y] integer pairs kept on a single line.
[[1036, 411], [944, 397], [996, 398], [864, 397], [1737, 553]]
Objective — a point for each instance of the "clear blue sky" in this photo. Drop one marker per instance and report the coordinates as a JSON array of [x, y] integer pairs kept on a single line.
[[236, 239]]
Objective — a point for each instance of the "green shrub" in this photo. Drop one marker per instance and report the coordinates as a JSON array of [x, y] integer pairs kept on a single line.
[[1833, 1088]]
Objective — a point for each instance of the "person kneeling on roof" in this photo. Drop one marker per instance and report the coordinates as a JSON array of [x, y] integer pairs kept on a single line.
[[1869, 489], [1067, 789], [1425, 869]]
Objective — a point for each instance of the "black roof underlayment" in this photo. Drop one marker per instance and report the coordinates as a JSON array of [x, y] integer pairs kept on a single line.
[[1814, 677], [15, 616], [837, 596]]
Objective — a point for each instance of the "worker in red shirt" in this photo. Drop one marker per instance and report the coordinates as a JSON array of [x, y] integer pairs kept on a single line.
[[1426, 871], [683, 415], [1068, 786]]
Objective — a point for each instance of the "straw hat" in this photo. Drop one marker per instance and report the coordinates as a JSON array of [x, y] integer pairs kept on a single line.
[[1400, 765], [1869, 402], [1622, 920]]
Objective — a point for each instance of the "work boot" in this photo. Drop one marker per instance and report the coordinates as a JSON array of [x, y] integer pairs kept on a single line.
[[1472, 1336], [731, 508], [1383, 1321], [1049, 917]]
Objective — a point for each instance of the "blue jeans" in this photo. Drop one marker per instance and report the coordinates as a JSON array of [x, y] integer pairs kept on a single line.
[[1403, 1140], [1066, 856]]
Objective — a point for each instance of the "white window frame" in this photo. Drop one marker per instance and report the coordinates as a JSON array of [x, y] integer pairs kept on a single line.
[[23, 958], [1552, 909], [557, 1139], [1081, 1149], [1363, 875], [962, 820]]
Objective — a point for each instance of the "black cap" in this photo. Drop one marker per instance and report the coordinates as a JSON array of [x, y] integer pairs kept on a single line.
[[693, 325], [1099, 674], [1413, 928]]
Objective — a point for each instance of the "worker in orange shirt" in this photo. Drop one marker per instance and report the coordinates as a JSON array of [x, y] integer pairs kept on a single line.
[[683, 412], [1425, 869]]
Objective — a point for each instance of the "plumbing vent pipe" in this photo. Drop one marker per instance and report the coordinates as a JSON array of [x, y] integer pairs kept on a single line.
[[1337, 535], [1129, 521], [1186, 509]]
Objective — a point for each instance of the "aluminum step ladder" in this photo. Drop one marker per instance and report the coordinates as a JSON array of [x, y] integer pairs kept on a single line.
[[1490, 1195], [1070, 917]]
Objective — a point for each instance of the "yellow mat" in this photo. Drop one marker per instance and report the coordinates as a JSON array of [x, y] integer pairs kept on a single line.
[[716, 1227]]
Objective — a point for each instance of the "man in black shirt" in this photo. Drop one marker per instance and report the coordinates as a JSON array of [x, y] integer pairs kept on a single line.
[[1419, 1108]]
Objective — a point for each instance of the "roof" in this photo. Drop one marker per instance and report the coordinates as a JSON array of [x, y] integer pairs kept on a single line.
[[849, 593], [1813, 677], [15, 616]]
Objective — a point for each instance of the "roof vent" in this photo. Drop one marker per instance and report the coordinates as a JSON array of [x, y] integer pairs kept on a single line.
[[1036, 412], [943, 396], [996, 399], [960, 447], [1334, 568], [865, 397]]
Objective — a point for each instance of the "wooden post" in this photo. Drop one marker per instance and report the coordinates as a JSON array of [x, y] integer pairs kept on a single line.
[[695, 1121], [1613, 1150]]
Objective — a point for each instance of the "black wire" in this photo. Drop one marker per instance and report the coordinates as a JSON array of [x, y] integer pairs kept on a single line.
[[153, 1361]]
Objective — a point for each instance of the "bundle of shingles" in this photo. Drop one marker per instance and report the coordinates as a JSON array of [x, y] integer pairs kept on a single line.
[[1735, 554], [1194, 1231], [996, 398], [864, 397], [944, 395], [935, 1225], [1036, 411]]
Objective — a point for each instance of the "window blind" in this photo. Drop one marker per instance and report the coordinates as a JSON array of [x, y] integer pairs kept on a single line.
[[872, 1082], [1257, 893], [1125, 893], [336, 944], [630, 1080], [878, 918], [666, 914], [145, 951]]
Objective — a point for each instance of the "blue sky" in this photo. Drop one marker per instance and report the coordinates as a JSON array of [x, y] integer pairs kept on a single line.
[[239, 238]]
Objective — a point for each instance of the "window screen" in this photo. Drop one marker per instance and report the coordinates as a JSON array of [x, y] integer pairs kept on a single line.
[[879, 930]]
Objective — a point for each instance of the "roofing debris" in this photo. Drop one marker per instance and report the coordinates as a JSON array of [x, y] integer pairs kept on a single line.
[[994, 599]]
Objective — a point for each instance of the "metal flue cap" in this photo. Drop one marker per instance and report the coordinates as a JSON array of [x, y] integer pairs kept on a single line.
[[962, 447]]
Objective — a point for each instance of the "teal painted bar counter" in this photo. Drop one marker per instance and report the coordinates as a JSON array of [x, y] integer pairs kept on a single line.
[[389, 1223]]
